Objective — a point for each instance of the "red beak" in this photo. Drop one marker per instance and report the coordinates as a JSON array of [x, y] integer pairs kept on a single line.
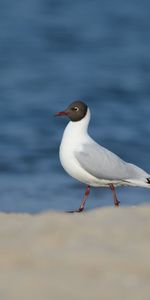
[[61, 113]]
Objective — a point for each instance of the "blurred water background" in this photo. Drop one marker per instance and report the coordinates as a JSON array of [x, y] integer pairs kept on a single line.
[[53, 52]]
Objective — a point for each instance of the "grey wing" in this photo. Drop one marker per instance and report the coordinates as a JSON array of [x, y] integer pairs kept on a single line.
[[102, 163]]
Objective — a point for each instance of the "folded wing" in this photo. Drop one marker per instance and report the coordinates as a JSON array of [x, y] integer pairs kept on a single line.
[[103, 164]]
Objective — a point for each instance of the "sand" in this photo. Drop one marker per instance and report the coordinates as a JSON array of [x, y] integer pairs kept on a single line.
[[102, 254]]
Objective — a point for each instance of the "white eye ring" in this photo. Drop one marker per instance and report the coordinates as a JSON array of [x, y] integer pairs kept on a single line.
[[76, 108]]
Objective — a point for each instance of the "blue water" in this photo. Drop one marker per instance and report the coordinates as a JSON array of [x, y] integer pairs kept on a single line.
[[51, 53]]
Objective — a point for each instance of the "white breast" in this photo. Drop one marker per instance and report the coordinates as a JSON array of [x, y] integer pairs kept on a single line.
[[74, 136]]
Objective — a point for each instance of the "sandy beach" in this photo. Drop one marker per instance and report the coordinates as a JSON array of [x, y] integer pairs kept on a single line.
[[102, 254]]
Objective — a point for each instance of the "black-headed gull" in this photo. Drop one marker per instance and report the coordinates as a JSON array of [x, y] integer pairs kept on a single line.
[[90, 163]]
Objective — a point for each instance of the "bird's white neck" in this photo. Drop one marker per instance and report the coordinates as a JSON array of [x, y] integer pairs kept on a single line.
[[78, 128]]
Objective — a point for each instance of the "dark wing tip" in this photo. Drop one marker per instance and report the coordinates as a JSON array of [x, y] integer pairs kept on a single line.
[[148, 180]]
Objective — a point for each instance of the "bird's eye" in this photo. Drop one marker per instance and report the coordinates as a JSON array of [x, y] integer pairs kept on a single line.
[[76, 108]]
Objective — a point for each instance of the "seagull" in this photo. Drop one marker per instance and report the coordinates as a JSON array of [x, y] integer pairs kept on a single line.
[[90, 163]]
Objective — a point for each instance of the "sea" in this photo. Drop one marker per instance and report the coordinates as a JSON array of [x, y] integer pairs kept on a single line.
[[53, 52]]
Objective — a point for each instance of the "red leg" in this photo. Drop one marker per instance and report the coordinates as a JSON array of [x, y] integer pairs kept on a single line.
[[81, 208], [116, 202]]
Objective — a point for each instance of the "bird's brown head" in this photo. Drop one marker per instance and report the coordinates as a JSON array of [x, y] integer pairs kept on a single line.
[[76, 111]]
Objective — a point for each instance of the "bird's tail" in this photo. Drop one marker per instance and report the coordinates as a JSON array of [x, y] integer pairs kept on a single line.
[[140, 182]]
